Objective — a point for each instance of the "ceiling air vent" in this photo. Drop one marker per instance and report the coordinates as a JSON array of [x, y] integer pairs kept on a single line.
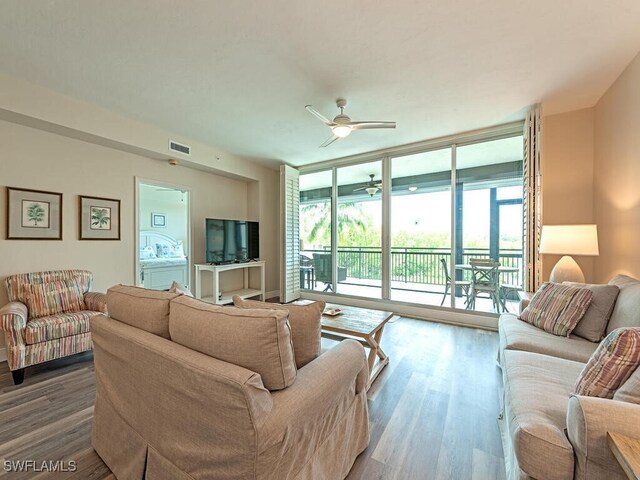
[[179, 147]]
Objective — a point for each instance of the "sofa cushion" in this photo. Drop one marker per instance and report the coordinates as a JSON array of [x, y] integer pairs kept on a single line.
[[259, 340], [61, 325], [594, 323], [557, 308], [141, 308], [518, 335], [51, 298], [305, 321], [613, 362], [626, 312], [630, 390], [536, 395]]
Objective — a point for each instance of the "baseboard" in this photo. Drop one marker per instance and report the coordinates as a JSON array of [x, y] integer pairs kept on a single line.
[[273, 294], [3, 354]]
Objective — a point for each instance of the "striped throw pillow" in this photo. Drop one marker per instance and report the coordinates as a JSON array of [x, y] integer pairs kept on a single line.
[[51, 298], [611, 365], [557, 308]]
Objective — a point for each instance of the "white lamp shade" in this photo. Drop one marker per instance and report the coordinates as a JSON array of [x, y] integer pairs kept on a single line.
[[569, 240]]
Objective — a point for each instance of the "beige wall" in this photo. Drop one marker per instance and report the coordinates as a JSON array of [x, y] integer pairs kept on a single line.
[[58, 143], [617, 176], [32, 105], [591, 174], [567, 185], [45, 161]]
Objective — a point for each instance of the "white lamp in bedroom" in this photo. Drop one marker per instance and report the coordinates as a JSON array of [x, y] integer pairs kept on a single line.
[[568, 240]]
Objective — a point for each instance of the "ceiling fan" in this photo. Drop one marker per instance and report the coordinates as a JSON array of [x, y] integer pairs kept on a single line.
[[371, 187], [342, 126]]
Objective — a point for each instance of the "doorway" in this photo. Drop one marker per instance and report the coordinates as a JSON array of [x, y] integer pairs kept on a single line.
[[163, 235]]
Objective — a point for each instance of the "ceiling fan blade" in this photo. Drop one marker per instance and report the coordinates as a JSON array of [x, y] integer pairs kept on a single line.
[[322, 118], [329, 141], [359, 189], [365, 125]]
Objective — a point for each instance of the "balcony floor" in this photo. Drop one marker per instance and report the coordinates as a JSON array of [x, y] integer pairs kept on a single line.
[[418, 293]]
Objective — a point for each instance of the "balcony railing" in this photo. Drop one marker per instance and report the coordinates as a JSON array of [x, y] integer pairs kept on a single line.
[[418, 265]]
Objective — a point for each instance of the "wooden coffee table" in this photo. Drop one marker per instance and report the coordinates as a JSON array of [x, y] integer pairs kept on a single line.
[[363, 325], [627, 452]]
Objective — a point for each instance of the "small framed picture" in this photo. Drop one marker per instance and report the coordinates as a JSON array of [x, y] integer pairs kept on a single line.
[[33, 214], [99, 218], [159, 220]]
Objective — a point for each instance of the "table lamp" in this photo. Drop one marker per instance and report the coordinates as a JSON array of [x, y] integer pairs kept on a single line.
[[568, 240]]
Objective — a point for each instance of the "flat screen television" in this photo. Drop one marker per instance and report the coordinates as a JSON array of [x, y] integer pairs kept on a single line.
[[230, 241]]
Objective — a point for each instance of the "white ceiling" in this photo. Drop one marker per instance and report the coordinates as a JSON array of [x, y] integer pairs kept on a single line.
[[238, 74]]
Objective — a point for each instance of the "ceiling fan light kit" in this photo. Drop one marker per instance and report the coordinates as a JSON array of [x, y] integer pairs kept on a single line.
[[371, 187], [342, 126], [341, 131]]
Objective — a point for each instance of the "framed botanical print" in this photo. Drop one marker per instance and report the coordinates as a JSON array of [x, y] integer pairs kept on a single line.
[[99, 218], [33, 214]]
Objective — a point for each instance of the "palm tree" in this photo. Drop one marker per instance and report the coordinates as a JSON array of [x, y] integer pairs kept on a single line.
[[99, 217], [351, 221], [35, 213]]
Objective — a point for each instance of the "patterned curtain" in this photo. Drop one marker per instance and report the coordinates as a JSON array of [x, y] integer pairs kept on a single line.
[[532, 199]]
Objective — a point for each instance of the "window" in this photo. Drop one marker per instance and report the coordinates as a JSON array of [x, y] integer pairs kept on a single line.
[[489, 223], [315, 231], [359, 268], [421, 227], [406, 228]]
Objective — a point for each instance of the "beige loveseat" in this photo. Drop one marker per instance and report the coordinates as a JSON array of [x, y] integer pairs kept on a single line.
[[548, 434], [167, 411]]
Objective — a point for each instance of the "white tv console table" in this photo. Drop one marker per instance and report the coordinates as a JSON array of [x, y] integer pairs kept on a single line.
[[221, 297]]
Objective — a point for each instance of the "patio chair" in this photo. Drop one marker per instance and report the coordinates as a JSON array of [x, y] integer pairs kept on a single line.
[[464, 285], [485, 279], [307, 272], [507, 289], [322, 267]]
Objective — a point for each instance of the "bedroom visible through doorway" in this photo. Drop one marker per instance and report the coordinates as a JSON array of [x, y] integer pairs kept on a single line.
[[163, 226]]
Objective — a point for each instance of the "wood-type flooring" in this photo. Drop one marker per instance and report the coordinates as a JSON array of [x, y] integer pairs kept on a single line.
[[433, 410]]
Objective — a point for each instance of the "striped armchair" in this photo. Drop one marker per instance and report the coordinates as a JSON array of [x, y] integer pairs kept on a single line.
[[31, 338]]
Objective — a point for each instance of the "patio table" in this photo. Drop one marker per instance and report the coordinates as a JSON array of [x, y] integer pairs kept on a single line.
[[501, 270]]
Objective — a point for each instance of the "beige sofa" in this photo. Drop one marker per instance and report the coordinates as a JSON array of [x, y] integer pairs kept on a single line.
[[548, 434], [167, 411]]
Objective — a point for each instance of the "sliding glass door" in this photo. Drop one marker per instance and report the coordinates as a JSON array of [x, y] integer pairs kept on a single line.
[[421, 227], [489, 223], [359, 215], [410, 227], [315, 231]]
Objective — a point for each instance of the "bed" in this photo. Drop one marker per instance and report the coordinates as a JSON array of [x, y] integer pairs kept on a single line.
[[159, 272]]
